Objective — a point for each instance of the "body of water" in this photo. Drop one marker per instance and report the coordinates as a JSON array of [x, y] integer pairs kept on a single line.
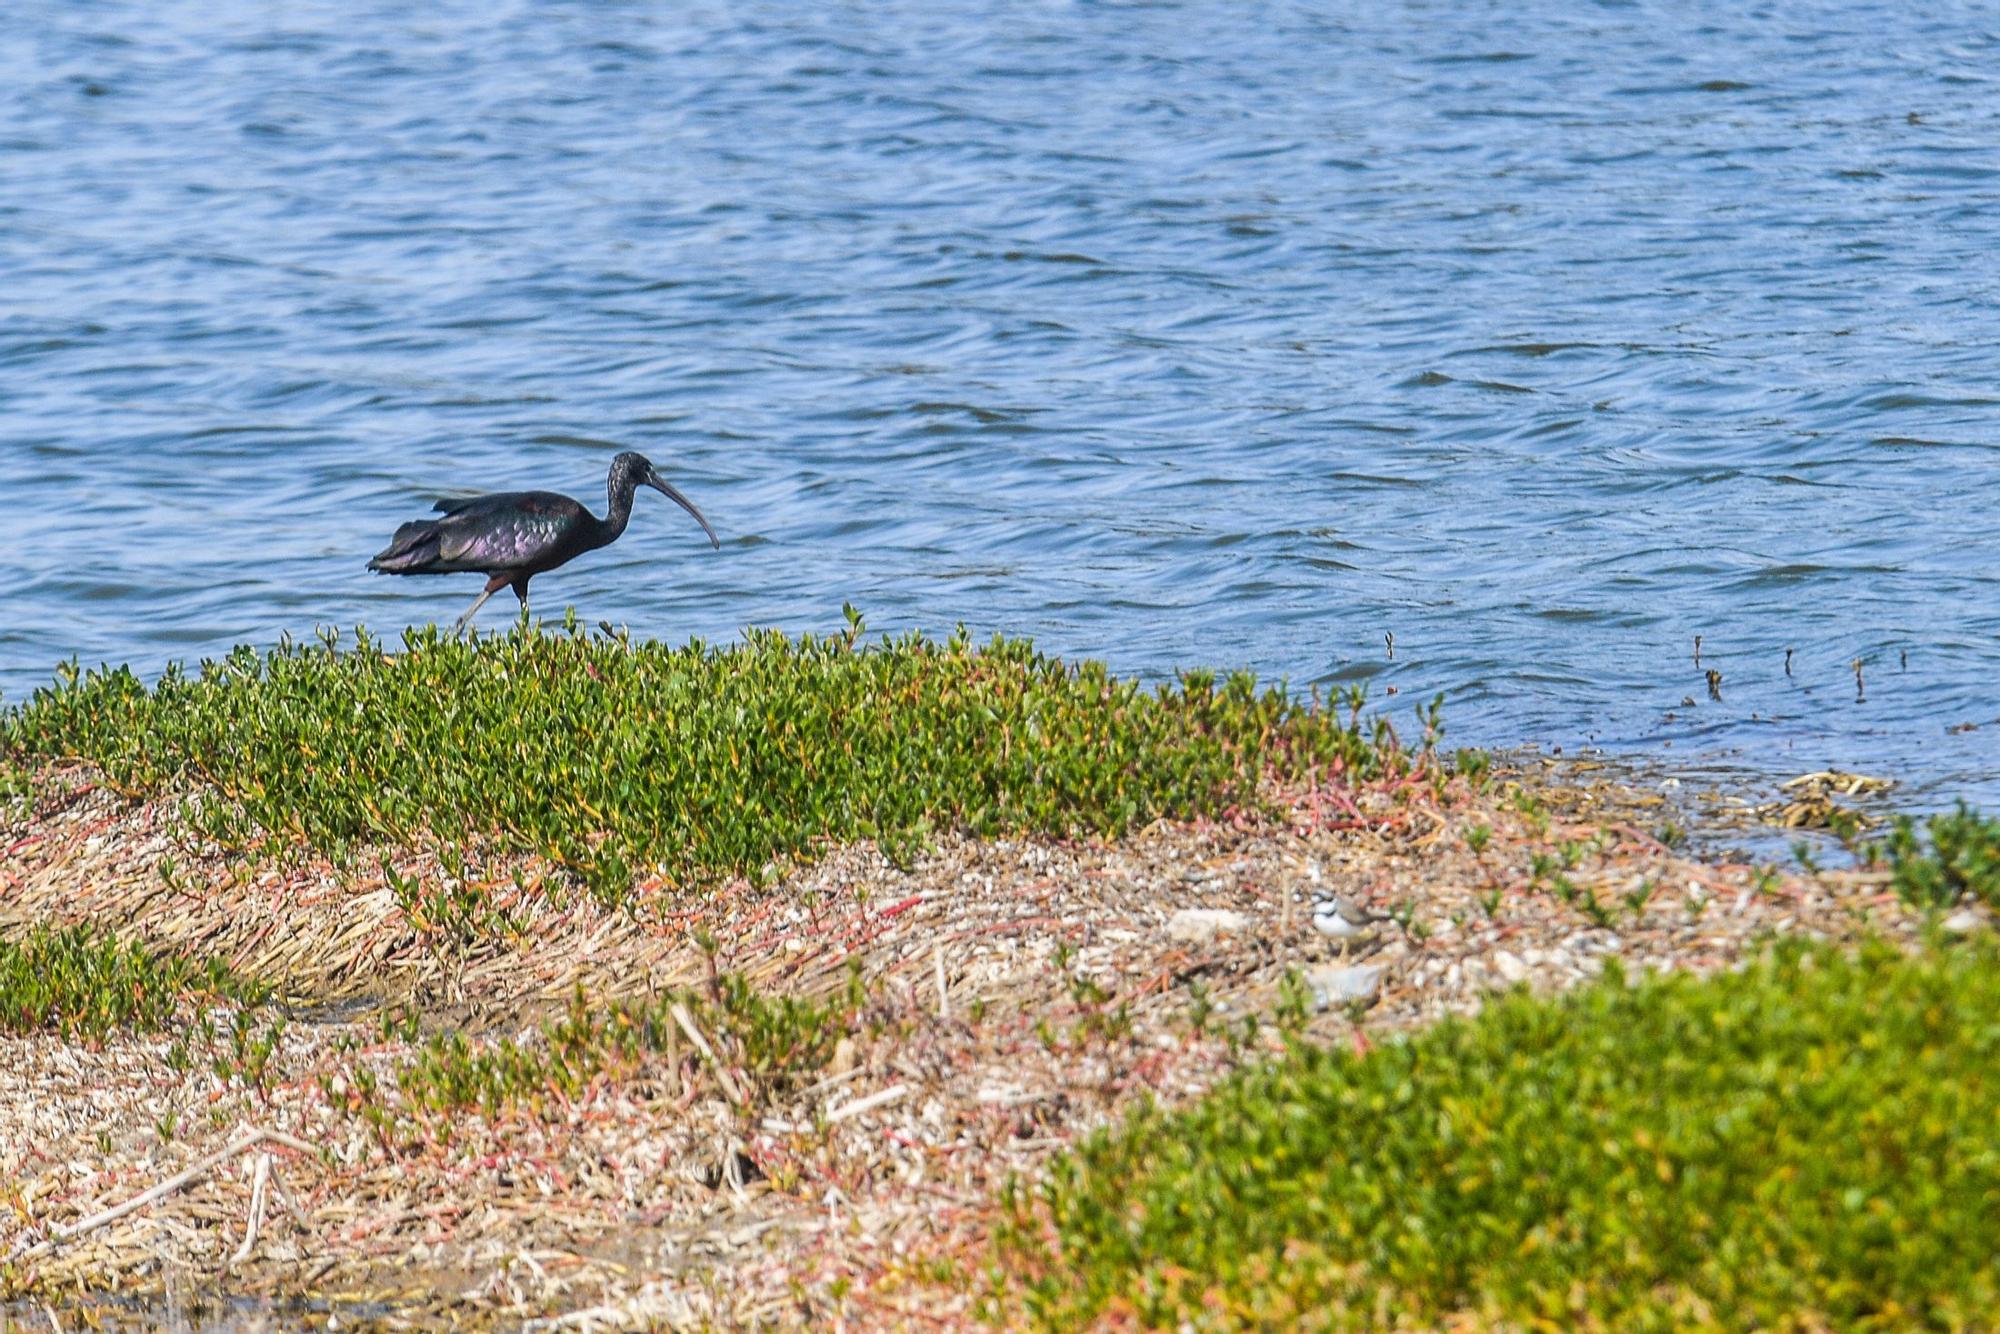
[[1544, 336]]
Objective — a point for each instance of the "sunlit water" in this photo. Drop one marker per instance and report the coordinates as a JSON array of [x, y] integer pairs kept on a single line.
[[1544, 336]]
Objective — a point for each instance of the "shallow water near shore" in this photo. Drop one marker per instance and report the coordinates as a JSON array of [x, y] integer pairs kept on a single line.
[[1543, 338]]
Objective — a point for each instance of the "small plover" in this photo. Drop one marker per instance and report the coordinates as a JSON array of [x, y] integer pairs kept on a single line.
[[1339, 918]]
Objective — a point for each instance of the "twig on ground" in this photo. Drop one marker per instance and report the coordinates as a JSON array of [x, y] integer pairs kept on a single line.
[[291, 1205], [293, 1142], [258, 1186], [722, 1075], [867, 1104], [194, 1173]]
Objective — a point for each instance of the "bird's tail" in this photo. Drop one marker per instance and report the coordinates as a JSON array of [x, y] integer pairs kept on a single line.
[[414, 546]]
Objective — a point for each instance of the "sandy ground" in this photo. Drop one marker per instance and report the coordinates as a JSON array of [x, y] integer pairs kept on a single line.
[[1021, 994]]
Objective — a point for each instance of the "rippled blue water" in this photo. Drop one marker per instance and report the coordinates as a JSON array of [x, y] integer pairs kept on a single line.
[[1543, 335]]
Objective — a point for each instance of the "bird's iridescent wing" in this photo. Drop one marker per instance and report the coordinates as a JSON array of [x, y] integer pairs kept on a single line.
[[512, 530]]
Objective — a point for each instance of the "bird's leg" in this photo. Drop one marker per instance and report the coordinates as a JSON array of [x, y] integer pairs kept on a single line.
[[458, 630], [493, 585], [521, 592]]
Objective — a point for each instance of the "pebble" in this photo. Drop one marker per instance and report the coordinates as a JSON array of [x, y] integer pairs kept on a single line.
[[1965, 921], [1204, 923], [1510, 967], [1338, 986]]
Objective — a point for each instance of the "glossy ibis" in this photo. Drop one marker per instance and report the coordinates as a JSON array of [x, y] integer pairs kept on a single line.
[[512, 536]]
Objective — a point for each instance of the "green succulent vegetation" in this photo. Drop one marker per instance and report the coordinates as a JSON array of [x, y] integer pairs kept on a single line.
[[769, 1041], [17, 790], [82, 982], [1957, 856], [1813, 1142], [614, 759]]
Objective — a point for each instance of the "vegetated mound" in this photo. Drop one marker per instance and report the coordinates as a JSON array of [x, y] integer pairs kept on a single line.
[[83, 982], [618, 760], [1809, 1142]]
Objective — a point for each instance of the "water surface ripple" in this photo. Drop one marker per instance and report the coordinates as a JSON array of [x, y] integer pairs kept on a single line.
[[1543, 335]]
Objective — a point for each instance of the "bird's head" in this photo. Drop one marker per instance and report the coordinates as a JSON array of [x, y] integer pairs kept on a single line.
[[635, 470]]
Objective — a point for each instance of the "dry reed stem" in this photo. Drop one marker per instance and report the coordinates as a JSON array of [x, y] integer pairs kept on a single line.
[[256, 1219]]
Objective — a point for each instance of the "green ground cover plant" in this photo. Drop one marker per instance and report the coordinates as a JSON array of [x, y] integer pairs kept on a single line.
[[616, 759], [767, 1042], [1950, 857], [1813, 1142], [84, 982]]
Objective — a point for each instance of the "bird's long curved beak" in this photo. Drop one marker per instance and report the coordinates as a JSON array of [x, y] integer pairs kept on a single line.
[[660, 484]]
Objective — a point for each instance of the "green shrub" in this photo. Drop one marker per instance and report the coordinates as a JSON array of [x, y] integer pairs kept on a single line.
[[79, 981], [1813, 1142], [1957, 857], [613, 759], [17, 791]]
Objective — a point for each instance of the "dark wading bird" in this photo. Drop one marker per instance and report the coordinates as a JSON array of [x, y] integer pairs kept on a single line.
[[512, 536]]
